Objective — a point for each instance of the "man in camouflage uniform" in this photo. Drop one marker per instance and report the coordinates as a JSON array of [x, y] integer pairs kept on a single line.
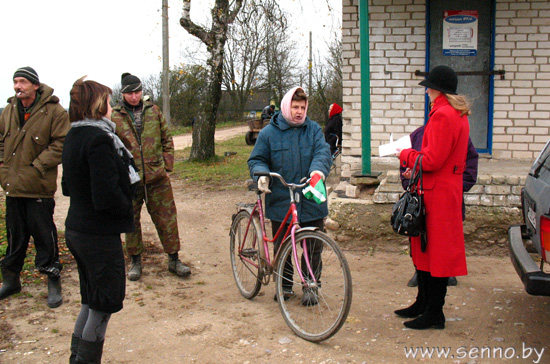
[[33, 128], [144, 131]]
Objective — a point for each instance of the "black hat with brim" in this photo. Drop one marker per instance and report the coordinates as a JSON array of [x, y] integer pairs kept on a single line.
[[443, 79]]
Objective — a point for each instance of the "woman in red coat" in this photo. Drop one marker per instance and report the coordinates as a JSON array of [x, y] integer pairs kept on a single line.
[[444, 149]]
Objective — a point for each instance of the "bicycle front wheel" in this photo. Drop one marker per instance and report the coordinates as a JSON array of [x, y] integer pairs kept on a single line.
[[321, 305], [245, 245]]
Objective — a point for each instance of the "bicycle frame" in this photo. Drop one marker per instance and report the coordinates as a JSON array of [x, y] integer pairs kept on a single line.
[[291, 230]]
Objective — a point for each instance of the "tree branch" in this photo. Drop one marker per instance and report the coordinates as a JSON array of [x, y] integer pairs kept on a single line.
[[191, 27]]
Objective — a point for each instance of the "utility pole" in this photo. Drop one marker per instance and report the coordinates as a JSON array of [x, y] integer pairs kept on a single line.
[[310, 62], [165, 64]]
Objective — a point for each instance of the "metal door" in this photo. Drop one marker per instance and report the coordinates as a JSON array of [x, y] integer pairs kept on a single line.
[[474, 66]]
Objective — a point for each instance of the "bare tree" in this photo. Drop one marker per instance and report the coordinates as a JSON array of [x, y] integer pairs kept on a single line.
[[244, 55], [223, 14], [279, 65], [247, 65], [327, 75]]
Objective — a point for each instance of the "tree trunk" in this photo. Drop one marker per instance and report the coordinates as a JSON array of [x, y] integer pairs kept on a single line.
[[203, 147]]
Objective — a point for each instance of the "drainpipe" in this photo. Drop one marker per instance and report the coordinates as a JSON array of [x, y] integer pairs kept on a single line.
[[365, 87]]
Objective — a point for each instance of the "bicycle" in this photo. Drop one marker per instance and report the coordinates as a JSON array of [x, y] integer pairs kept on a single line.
[[253, 267]]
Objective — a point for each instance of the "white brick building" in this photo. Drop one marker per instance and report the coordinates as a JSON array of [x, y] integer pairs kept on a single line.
[[519, 104]]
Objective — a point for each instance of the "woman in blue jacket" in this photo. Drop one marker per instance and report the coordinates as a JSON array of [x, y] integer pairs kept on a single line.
[[293, 146]]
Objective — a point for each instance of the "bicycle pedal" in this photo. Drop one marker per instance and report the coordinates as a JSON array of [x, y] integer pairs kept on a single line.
[[249, 253]]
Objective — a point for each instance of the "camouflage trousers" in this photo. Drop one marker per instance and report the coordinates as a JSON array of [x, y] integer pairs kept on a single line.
[[162, 208]]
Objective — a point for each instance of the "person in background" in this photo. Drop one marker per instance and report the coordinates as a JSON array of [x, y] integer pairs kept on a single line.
[[444, 149], [144, 131], [293, 146], [469, 179], [333, 129], [268, 112], [33, 128], [98, 173]]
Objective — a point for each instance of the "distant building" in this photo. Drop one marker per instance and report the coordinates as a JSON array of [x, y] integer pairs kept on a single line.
[[253, 109]]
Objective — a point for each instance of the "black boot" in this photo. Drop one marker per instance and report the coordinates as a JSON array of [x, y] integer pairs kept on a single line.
[[433, 316], [11, 283], [452, 282], [89, 352], [418, 307], [413, 282], [54, 292], [177, 267], [75, 341], [134, 273]]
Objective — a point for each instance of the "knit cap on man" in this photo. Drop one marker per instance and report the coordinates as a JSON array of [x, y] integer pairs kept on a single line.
[[130, 83], [29, 73]]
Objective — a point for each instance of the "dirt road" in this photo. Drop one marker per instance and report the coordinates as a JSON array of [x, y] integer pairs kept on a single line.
[[185, 140], [204, 319]]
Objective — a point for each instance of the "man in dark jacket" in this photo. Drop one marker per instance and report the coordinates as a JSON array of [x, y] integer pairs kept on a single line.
[[293, 146], [33, 127], [268, 112], [469, 179]]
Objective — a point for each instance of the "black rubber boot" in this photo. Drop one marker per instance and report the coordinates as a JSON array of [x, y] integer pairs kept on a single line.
[[11, 283], [75, 341], [89, 352], [134, 273], [413, 282], [452, 282], [54, 292], [433, 317], [177, 267], [418, 307]]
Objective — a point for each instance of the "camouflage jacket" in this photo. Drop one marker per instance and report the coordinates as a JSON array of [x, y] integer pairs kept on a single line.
[[31, 154], [154, 153]]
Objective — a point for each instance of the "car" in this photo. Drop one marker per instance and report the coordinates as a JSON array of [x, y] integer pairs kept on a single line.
[[535, 205]]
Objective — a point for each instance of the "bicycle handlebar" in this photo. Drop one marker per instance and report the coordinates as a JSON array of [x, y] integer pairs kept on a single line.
[[289, 185]]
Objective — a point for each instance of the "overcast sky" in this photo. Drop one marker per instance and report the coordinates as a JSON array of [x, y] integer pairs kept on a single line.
[[64, 40]]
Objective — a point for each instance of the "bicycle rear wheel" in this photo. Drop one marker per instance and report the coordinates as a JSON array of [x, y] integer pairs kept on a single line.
[[320, 308], [245, 245]]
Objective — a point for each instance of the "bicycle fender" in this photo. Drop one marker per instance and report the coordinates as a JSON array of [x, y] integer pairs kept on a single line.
[[248, 207], [309, 228]]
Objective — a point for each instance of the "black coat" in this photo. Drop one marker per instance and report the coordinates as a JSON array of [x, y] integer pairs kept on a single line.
[[333, 132], [97, 182]]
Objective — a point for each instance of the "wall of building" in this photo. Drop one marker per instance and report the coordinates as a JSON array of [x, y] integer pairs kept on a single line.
[[521, 124]]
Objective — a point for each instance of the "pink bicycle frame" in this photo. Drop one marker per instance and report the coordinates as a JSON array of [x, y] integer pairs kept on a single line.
[[292, 227]]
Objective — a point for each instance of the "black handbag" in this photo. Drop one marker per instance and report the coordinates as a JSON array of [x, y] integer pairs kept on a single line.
[[407, 216]]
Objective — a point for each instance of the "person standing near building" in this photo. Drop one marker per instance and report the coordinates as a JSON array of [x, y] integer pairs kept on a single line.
[[144, 131], [333, 129], [444, 149], [33, 128], [469, 179]]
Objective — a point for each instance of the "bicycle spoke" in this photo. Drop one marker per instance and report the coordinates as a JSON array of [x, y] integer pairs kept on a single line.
[[326, 297], [245, 240]]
